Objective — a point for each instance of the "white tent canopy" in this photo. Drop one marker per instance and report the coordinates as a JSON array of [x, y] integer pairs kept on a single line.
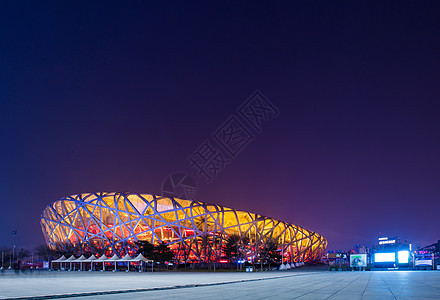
[[91, 258], [82, 258], [113, 258], [61, 259], [126, 258], [70, 259], [103, 258], [140, 257]]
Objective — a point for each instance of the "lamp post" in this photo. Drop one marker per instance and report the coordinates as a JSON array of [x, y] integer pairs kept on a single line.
[[13, 245]]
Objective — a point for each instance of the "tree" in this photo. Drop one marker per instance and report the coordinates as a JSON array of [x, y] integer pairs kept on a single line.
[[22, 253], [243, 249], [204, 245], [203, 224], [46, 253], [231, 247], [269, 252], [236, 248], [162, 253], [146, 249], [185, 249], [216, 242], [159, 253]]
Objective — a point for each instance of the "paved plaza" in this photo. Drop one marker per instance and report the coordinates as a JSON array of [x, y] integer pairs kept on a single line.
[[294, 284]]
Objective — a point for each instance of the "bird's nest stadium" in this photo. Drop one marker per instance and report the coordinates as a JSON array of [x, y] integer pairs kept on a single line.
[[111, 223]]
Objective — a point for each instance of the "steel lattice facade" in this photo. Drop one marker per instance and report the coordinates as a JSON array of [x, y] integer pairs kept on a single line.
[[109, 223]]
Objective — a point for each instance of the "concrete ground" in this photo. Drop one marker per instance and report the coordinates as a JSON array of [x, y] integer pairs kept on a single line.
[[294, 284]]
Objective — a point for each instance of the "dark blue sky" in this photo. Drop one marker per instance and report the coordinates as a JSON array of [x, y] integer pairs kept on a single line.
[[115, 96]]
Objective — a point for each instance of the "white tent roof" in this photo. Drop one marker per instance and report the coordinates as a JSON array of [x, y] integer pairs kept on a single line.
[[80, 259], [126, 258], [72, 258], [103, 258], [91, 258], [140, 257], [113, 258], [61, 259]]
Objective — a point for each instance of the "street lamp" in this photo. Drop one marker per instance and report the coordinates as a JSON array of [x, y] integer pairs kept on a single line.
[[13, 245]]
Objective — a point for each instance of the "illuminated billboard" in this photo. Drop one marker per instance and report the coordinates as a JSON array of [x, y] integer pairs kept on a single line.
[[384, 257], [387, 242], [423, 259], [358, 260], [423, 262], [403, 257]]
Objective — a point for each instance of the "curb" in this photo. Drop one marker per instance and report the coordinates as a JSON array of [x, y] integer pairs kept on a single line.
[[87, 294]]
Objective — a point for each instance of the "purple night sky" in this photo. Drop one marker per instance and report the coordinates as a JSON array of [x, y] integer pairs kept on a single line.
[[115, 96]]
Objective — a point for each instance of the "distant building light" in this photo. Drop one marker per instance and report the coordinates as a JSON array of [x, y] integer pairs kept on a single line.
[[384, 242], [242, 261]]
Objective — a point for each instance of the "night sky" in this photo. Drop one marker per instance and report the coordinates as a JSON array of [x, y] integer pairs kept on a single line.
[[108, 96]]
